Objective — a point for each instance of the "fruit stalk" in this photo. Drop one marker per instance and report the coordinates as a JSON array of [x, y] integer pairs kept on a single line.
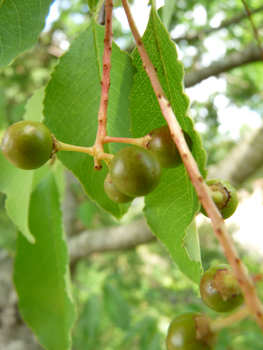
[[217, 325], [252, 300], [61, 146], [105, 85], [140, 141]]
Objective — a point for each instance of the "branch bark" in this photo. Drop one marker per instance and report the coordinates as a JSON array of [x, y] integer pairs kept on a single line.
[[243, 160], [236, 59], [204, 32], [249, 14], [112, 238]]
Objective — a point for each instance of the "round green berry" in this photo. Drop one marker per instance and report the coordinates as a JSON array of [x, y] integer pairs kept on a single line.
[[113, 193], [190, 331], [27, 144], [230, 203], [163, 147], [135, 171], [220, 290]]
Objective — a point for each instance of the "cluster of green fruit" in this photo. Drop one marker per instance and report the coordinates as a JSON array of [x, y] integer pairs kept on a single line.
[[221, 292], [134, 171]]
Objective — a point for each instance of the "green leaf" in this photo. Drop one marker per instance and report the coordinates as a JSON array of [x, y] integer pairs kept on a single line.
[[166, 12], [116, 307], [41, 272], [59, 173], [171, 208], [8, 231], [72, 103], [92, 4], [86, 212], [90, 320], [150, 339], [16, 184], [191, 242], [146, 330], [22, 21], [34, 106]]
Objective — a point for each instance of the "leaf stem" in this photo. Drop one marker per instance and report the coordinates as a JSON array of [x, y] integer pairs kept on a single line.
[[105, 85], [216, 325], [252, 300], [140, 141]]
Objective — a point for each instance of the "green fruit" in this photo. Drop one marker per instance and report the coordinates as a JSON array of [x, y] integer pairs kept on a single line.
[[113, 193], [164, 148], [231, 204], [135, 171], [27, 145], [190, 331], [220, 290]]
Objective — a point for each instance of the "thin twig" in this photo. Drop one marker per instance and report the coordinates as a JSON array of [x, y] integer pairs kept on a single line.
[[249, 14], [105, 85], [205, 31], [247, 285]]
